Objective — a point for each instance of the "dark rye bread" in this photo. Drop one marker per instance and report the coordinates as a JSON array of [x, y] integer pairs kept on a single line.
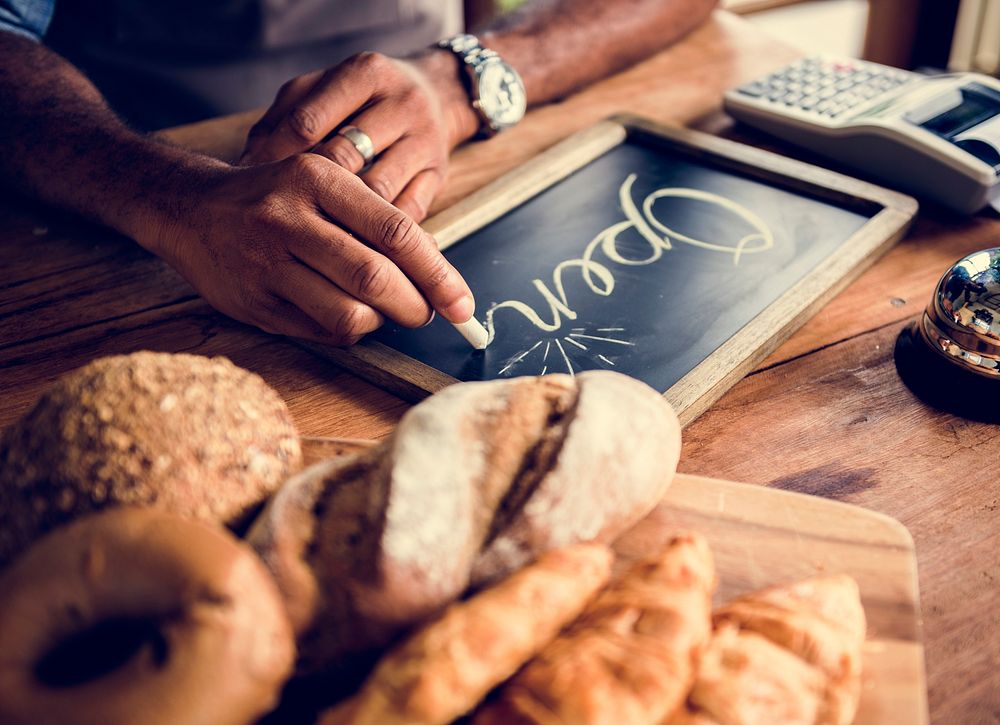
[[366, 546], [193, 435]]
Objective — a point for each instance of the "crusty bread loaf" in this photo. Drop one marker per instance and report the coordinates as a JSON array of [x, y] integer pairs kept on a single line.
[[615, 458], [193, 435], [475, 482]]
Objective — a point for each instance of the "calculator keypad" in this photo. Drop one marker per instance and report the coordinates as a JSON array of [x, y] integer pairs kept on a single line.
[[826, 87]]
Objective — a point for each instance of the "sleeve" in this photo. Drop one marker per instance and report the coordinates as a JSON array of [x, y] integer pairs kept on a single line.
[[29, 18]]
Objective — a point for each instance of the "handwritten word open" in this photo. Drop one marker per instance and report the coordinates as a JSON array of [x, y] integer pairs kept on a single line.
[[660, 238]]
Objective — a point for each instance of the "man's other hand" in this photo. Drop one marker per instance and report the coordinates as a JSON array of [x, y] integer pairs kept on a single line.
[[414, 111], [302, 247]]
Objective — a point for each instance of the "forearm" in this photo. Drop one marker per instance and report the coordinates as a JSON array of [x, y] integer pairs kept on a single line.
[[70, 150], [560, 45]]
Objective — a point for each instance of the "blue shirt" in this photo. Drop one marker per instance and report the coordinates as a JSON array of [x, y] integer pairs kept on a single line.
[[29, 18]]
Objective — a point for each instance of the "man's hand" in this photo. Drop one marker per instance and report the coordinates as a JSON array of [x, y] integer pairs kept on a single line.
[[302, 247], [414, 111]]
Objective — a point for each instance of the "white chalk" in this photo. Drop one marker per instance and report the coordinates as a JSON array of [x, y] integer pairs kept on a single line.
[[474, 332]]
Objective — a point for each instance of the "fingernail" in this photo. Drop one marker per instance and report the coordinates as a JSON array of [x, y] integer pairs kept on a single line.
[[460, 311], [431, 318]]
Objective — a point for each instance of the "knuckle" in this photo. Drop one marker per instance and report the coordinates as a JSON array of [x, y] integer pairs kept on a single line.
[[438, 273], [382, 186], [305, 124], [368, 60], [342, 153], [286, 88], [307, 168], [371, 278], [400, 235], [349, 323]]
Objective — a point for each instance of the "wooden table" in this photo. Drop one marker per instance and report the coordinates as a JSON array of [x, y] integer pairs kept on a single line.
[[826, 414]]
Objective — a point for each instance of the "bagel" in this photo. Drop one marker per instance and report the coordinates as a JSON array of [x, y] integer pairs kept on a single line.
[[194, 435], [137, 615], [475, 482]]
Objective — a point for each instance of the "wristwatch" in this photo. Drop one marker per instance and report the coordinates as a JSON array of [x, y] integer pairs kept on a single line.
[[495, 88]]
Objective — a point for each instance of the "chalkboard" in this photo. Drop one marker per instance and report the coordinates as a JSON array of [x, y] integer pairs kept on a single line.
[[648, 253]]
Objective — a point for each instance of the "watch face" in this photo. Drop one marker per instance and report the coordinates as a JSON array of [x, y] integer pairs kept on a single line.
[[501, 95]]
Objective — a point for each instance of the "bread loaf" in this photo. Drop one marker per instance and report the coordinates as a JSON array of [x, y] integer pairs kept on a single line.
[[474, 483], [193, 435]]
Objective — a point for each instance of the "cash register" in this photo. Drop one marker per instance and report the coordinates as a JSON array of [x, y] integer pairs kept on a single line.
[[936, 137]]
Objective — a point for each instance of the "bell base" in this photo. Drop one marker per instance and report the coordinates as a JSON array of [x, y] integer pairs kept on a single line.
[[944, 385]]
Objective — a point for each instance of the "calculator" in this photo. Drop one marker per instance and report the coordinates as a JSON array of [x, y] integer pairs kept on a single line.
[[937, 137]]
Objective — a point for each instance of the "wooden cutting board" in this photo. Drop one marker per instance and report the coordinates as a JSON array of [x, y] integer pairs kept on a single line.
[[761, 536]]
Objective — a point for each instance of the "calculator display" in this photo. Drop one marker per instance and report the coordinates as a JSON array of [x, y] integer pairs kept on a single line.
[[978, 104]]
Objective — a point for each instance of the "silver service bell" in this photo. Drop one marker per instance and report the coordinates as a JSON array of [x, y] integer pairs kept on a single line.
[[962, 321]]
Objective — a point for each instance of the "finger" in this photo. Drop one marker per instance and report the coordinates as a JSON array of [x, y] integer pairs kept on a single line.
[[281, 317], [344, 319], [394, 169], [392, 233], [384, 125], [337, 94], [288, 95], [416, 198], [362, 273]]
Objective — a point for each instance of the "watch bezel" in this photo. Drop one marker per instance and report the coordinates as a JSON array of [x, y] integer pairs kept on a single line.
[[494, 123], [477, 60]]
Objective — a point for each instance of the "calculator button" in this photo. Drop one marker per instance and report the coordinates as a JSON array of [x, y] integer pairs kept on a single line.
[[792, 99], [753, 90]]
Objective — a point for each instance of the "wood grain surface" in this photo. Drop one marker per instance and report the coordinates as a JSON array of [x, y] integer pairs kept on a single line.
[[825, 414], [762, 537]]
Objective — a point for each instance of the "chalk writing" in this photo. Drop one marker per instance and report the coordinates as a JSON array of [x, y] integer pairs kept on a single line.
[[659, 237]]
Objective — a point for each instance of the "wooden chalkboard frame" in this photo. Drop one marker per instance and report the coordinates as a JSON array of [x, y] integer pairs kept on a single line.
[[890, 215]]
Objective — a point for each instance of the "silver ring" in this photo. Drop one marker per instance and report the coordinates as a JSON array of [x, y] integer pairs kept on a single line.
[[361, 141]]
